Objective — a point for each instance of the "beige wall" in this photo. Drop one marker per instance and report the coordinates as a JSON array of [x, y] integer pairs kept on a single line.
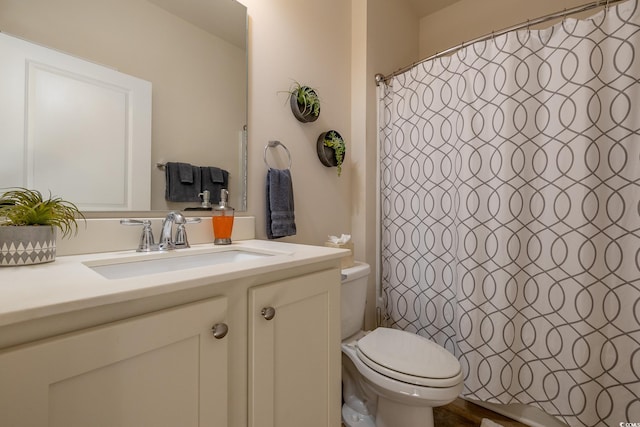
[[468, 19], [337, 46], [306, 41], [366, 37]]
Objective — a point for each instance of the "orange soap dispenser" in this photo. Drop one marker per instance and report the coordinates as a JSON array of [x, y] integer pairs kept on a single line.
[[222, 220]]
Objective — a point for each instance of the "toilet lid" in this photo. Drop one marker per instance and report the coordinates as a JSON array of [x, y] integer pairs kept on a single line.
[[408, 357]]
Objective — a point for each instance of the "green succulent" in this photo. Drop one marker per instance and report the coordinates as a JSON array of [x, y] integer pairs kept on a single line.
[[22, 206], [333, 140], [307, 99]]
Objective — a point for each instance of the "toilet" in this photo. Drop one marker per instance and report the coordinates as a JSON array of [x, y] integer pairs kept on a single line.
[[390, 378]]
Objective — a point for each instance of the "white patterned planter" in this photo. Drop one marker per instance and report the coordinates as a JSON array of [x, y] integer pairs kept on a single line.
[[27, 245]]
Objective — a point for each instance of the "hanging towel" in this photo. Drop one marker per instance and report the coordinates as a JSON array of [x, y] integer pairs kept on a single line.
[[280, 213], [185, 171], [214, 179], [182, 182]]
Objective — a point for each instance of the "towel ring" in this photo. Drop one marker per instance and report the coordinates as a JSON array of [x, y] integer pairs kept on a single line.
[[274, 144]]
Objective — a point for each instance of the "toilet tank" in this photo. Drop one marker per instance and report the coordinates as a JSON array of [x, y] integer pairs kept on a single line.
[[353, 298]]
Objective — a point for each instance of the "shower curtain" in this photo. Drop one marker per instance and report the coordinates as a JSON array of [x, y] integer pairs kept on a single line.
[[510, 199]]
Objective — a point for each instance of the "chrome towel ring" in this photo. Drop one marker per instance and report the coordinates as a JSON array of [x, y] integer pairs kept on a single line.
[[274, 144]]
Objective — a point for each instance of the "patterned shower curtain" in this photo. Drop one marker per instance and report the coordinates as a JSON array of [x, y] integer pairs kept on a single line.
[[510, 180]]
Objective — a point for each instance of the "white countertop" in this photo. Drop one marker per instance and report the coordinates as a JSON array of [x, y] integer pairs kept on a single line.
[[66, 285]]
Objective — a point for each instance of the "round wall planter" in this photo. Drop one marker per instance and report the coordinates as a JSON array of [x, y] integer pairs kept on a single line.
[[326, 154], [297, 110], [27, 244]]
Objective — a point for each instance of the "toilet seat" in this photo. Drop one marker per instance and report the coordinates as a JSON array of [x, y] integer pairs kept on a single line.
[[408, 358]]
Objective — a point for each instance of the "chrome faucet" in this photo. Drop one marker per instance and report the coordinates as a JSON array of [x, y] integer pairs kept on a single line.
[[166, 239], [167, 242]]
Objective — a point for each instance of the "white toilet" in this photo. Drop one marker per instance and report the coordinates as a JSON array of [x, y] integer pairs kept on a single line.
[[390, 378]]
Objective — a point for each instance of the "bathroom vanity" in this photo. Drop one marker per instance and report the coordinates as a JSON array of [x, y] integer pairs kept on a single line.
[[250, 341]]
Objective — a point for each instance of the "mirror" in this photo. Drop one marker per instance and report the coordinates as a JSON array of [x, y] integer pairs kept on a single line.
[[194, 54]]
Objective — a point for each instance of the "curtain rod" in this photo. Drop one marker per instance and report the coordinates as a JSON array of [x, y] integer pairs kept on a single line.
[[380, 78]]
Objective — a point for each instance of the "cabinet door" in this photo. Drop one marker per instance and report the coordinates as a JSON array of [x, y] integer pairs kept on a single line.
[[294, 369], [161, 369]]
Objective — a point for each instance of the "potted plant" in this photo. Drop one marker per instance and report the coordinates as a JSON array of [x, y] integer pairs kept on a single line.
[[331, 149], [305, 103], [28, 225]]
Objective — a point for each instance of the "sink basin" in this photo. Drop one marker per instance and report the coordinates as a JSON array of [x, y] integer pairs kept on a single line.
[[163, 262]]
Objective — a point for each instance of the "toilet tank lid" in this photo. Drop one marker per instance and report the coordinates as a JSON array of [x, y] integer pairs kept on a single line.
[[359, 269]]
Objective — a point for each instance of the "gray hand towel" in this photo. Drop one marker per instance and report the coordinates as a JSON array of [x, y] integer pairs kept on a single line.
[[182, 182], [214, 179], [215, 175], [280, 212], [185, 170]]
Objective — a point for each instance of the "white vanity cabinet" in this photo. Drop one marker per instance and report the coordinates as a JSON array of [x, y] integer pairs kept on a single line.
[[80, 350], [294, 352], [164, 368]]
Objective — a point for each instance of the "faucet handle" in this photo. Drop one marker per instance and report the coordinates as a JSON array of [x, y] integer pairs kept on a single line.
[[129, 221], [181, 236], [147, 242], [181, 232]]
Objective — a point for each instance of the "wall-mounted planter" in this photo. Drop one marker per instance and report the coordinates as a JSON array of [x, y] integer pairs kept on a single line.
[[305, 104], [331, 149]]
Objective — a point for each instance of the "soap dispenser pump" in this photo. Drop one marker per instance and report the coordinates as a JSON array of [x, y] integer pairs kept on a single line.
[[206, 199], [222, 220]]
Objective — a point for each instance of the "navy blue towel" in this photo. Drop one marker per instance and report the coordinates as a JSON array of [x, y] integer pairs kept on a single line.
[[280, 212]]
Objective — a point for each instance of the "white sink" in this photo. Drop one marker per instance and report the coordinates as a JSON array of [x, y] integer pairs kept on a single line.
[[163, 262]]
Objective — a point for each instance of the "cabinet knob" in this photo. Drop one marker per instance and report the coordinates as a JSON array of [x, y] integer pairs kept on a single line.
[[220, 330], [268, 313]]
